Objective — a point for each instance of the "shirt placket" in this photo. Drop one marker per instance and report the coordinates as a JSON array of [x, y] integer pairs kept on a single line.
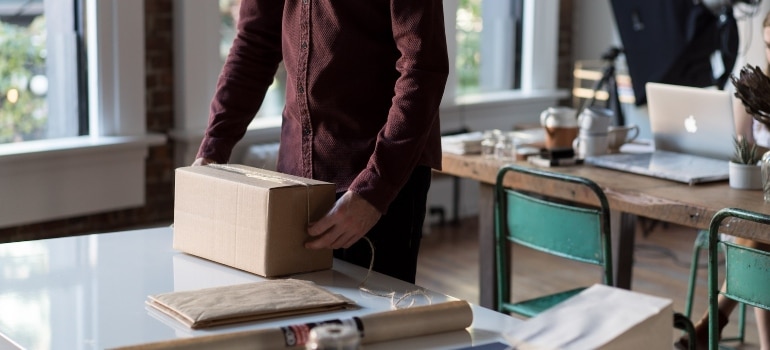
[[307, 127]]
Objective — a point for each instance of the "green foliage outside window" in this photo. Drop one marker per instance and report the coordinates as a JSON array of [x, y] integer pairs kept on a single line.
[[22, 56], [469, 26]]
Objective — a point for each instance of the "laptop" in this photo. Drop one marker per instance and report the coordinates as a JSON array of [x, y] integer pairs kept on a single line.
[[692, 130]]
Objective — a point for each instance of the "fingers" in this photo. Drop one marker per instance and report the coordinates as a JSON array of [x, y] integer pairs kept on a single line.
[[203, 161], [344, 225]]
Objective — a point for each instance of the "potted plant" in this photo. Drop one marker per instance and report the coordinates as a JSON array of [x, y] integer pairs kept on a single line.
[[745, 171]]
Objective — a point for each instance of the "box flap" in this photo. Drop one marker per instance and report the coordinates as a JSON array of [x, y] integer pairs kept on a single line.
[[250, 175]]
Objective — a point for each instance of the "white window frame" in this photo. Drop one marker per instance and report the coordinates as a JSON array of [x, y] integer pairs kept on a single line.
[[58, 178]]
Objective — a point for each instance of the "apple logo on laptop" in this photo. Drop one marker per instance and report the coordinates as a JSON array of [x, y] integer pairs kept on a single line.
[[690, 125]]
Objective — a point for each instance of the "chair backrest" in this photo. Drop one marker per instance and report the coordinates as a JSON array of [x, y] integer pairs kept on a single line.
[[747, 270], [561, 228]]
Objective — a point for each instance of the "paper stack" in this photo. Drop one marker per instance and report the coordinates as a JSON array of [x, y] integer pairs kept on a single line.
[[467, 143]]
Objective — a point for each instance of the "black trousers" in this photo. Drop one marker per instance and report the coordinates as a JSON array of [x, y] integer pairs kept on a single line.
[[396, 237]]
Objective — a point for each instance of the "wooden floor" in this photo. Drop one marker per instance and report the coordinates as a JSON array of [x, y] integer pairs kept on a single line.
[[448, 263]]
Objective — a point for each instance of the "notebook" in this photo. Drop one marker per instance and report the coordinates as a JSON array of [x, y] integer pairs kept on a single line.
[[692, 130]]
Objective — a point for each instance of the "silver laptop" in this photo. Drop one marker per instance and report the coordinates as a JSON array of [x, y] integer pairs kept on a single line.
[[692, 131]]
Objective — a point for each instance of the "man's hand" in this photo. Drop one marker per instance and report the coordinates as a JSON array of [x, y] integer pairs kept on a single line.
[[203, 161], [349, 220]]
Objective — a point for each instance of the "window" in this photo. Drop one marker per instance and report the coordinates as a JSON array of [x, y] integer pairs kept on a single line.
[[503, 60], [488, 41], [488, 46], [272, 106], [39, 83], [66, 175]]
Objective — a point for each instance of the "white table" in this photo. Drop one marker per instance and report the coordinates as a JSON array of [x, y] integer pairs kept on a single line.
[[89, 292]]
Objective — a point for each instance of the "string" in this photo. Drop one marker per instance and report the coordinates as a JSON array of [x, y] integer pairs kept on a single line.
[[394, 302]]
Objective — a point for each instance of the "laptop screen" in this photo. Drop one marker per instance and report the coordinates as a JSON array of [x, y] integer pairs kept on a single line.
[[691, 120]]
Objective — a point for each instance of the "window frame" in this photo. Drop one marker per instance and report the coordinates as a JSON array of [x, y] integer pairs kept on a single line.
[[66, 177]]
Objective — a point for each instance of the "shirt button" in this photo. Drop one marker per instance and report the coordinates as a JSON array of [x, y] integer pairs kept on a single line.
[[306, 131], [303, 45], [304, 1], [301, 90]]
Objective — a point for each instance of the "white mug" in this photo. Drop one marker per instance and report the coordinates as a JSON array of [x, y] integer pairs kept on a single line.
[[586, 146], [595, 120], [562, 117], [620, 135]]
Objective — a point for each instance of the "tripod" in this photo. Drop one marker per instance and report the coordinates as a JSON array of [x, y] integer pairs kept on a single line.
[[608, 79]]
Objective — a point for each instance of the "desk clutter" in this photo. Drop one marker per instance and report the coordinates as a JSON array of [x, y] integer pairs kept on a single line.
[[563, 138]]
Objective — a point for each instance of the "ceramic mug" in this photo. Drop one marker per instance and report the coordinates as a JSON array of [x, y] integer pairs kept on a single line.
[[595, 120], [558, 117], [619, 135], [560, 127], [586, 146]]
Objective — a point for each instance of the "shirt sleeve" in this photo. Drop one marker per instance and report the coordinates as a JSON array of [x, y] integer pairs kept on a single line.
[[418, 32], [248, 72]]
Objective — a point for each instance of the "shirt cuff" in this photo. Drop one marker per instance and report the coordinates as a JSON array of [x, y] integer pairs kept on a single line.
[[374, 190]]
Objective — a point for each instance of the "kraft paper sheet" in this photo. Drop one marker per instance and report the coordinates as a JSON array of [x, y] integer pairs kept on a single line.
[[246, 302]]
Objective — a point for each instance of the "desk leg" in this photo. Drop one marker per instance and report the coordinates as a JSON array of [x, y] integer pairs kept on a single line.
[[623, 236], [487, 271]]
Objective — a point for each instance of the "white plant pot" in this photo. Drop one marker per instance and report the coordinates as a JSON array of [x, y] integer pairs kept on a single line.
[[745, 176]]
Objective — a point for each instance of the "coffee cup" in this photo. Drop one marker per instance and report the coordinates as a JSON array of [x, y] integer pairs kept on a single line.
[[558, 117], [586, 146], [595, 120], [619, 135], [560, 127]]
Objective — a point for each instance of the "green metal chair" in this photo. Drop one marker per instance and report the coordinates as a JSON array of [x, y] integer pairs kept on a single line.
[[580, 234], [747, 270], [702, 243]]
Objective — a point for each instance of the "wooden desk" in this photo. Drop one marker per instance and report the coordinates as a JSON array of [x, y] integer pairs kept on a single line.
[[629, 196], [88, 292]]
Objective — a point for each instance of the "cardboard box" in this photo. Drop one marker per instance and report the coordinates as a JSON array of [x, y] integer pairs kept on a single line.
[[250, 218], [600, 317]]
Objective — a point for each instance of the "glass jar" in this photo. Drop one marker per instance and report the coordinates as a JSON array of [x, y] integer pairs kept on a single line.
[[765, 163], [489, 142], [505, 149]]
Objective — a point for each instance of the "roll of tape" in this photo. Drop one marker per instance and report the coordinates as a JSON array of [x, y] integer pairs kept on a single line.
[[333, 337]]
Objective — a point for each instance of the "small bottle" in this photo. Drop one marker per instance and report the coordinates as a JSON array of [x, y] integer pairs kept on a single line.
[[504, 149], [488, 143]]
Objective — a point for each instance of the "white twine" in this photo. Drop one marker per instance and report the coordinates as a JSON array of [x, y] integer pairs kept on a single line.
[[394, 302]]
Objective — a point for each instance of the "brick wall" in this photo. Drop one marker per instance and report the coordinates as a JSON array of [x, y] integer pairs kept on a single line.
[[160, 119], [159, 164], [565, 61]]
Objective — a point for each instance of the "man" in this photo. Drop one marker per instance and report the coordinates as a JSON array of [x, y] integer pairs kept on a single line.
[[364, 83]]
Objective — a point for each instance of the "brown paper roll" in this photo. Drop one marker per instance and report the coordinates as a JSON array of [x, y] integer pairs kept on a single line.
[[383, 326], [416, 321]]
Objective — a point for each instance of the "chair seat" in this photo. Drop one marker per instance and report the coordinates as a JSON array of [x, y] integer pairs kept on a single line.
[[532, 307]]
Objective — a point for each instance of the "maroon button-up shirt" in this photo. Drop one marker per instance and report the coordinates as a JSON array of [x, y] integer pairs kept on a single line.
[[364, 83]]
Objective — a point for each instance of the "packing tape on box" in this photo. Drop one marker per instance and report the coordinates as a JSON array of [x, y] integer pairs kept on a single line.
[[378, 327], [265, 177]]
